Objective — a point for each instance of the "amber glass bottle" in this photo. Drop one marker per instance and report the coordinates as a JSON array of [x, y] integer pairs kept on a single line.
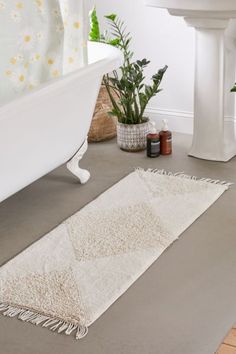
[[165, 139], [153, 142]]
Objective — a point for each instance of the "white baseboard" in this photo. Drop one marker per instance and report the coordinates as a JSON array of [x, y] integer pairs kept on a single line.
[[179, 121]]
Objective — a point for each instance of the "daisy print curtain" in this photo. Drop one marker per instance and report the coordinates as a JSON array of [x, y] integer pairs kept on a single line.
[[39, 40]]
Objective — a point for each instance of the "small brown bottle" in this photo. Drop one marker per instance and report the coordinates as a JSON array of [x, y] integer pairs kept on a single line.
[[153, 142], [165, 139]]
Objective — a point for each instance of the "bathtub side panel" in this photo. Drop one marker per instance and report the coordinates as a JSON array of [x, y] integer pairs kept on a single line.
[[45, 132]]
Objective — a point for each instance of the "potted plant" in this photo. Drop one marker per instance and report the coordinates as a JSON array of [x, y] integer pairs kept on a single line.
[[132, 93], [128, 93]]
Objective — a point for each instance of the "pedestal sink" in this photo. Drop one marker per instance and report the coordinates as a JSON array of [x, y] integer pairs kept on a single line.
[[214, 137]]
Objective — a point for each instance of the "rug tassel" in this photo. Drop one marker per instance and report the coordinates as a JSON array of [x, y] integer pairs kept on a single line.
[[183, 175], [70, 329], [54, 324], [81, 332], [49, 323], [63, 327]]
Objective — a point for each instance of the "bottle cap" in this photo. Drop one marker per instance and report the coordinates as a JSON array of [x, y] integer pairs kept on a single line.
[[165, 127], [153, 129]]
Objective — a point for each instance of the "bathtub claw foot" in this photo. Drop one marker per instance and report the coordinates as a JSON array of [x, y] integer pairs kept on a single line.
[[73, 164]]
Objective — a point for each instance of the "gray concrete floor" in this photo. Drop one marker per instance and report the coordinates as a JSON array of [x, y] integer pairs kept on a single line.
[[184, 304]]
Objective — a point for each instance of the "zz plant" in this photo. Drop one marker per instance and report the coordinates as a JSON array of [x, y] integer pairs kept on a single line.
[[126, 88]]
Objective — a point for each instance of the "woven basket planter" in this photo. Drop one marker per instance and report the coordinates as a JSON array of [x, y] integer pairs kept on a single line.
[[103, 126], [132, 137]]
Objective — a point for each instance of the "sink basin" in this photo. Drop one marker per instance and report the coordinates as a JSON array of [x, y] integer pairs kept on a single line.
[[205, 8]]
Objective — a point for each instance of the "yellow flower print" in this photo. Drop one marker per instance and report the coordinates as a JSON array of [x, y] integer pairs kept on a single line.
[[35, 57], [16, 16], [18, 78], [71, 60], [21, 78], [13, 61], [27, 39], [40, 6], [17, 59], [2, 5], [32, 83], [52, 60], [19, 5], [55, 73], [39, 3], [8, 73], [76, 24]]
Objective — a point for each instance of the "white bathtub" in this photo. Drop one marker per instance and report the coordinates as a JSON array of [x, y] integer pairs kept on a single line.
[[44, 129]]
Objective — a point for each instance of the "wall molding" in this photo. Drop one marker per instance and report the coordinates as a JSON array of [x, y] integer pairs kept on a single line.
[[179, 121]]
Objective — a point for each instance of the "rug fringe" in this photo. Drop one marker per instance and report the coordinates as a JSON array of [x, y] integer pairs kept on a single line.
[[183, 175], [54, 324]]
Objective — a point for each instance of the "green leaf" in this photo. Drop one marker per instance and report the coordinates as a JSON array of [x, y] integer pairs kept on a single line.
[[94, 34], [234, 88], [115, 42], [111, 17]]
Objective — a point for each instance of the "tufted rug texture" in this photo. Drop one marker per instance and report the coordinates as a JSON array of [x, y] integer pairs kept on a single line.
[[71, 276]]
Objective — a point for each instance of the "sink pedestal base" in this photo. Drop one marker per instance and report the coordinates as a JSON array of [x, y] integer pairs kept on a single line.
[[214, 137]]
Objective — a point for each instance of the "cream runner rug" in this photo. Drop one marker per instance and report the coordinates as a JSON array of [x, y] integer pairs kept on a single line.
[[70, 277]]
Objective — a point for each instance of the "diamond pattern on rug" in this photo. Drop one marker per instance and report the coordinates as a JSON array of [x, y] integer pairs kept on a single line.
[[115, 231], [54, 293]]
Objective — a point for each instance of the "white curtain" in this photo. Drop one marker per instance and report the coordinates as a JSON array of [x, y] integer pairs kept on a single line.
[[39, 40]]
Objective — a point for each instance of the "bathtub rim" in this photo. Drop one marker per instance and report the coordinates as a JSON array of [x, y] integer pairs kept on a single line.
[[110, 59]]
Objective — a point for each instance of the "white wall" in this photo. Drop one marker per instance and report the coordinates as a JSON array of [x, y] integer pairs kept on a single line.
[[164, 40]]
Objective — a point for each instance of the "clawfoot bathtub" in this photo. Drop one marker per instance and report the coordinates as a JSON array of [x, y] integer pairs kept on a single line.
[[48, 127]]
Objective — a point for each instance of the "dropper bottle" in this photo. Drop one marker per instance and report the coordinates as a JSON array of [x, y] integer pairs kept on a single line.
[[153, 142]]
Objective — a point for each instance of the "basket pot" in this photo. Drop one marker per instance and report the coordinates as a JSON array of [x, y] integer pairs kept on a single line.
[[103, 126], [132, 137]]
